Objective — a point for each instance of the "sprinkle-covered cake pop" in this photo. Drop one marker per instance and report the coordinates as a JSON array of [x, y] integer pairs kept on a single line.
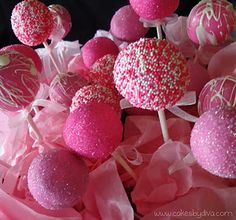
[[57, 179], [19, 81], [218, 93], [32, 22], [151, 74], [93, 130], [61, 20], [154, 9], [213, 142], [97, 48], [95, 94], [211, 22], [125, 25]]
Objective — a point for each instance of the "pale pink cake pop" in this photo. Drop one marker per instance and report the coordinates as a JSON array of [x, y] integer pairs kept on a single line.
[[61, 20], [211, 22], [96, 48], [125, 25], [151, 74], [154, 9], [32, 22], [93, 130], [213, 142], [26, 51], [57, 179], [64, 86], [95, 94], [218, 93], [19, 81]]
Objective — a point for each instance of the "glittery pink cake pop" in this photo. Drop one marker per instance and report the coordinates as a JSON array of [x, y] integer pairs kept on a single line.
[[19, 81], [57, 179], [26, 51], [213, 142], [62, 21], [32, 22], [93, 130], [64, 87], [218, 93], [211, 22], [151, 74], [95, 94], [125, 25], [154, 9], [97, 48]]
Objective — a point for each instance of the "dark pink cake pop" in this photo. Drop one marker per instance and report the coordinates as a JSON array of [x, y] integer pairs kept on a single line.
[[64, 86], [151, 74], [61, 20], [32, 22], [97, 48], [154, 9], [93, 130], [213, 142], [95, 94], [19, 81], [211, 22], [218, 93], [26, 51], [57, 179], [125, 25]]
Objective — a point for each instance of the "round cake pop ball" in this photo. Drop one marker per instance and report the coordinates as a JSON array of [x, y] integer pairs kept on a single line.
[[213, 142], [154, 9], [64, 86], [151, 74], [95, 94], [125, 25], [93, 130], [211, 22], [26, 51], [19, 81], [218, 93], [97, 48], [32, 22], [57, 179], [61, 21]]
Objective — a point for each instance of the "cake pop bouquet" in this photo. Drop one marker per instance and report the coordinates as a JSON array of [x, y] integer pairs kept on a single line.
[[127, 126]]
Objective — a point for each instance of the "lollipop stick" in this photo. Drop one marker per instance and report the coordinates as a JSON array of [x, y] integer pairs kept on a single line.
[[159, 32], [34, 127]]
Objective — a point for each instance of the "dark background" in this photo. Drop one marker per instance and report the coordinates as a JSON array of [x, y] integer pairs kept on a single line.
[[87, 16]]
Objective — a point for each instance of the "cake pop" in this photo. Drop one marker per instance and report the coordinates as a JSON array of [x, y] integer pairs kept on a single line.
[[154, 9], [151, 74], [97, 48], [218, 93], [211, 22], [57, 179], [93, 130], [213, 142], [32, 22], [125, 25]]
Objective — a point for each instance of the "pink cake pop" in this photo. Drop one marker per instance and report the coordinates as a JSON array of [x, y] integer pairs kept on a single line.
[[64, 86], [93, 130], [213, 142], [211, 22], [19, 81], [97, 48], [125, 25], [219, 92], [151, 74], [95, 94], [62, 21], [154, 9], [26, 51], [57, 179], [31, 22]]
